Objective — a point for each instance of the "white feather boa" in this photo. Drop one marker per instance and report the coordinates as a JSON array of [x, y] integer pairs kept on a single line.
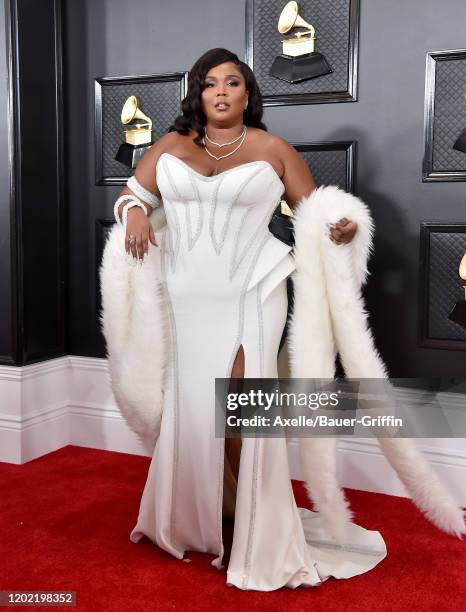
[[328, 316], [135, 326]]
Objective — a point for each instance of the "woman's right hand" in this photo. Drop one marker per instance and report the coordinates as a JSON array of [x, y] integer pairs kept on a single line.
[[139, 226]]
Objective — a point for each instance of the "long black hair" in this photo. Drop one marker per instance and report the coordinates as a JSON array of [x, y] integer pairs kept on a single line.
[[192, 117]]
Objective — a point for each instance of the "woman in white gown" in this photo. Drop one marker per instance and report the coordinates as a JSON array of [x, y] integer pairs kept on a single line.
[[224, 277]]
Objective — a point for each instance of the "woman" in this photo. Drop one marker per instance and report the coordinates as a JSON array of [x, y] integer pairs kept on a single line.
[[220, 176]]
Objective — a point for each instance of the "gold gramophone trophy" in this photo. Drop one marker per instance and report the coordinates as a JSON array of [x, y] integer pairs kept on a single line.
[[460, 142], [299, 60], [458, 313], [138, 136]]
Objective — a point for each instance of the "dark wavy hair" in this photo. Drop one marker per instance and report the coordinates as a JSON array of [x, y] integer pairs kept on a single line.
[[193, 118]]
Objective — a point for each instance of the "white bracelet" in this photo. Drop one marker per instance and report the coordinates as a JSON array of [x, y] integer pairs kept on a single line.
[[152, 200], [126, 207], [133, 200], [117, 204]]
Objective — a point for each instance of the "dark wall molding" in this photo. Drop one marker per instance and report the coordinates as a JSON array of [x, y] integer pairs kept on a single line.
[[162, 95], [442, 245], [261, 24], [37, 208], [443, 104], [7, 298], [339, 167]]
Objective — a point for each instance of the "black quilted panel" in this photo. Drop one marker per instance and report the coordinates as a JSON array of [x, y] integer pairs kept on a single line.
[[449, 114], [445, 284], [330, 19], [160, 100], [327, 167]]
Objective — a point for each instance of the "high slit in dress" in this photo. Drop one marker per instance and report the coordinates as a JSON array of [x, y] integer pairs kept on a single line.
[[224, 278]]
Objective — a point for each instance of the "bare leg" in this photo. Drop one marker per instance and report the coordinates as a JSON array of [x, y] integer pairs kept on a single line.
[[232, 451]]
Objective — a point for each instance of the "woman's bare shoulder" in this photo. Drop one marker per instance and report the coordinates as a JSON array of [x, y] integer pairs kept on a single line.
[[275, 149], [278, 145], [284, 151]]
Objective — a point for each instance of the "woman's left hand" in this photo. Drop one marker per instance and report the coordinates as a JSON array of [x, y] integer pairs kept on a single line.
[[343, 231]]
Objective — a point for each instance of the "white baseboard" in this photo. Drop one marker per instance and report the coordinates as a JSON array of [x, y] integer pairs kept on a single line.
[[68, 400], [33, 410]]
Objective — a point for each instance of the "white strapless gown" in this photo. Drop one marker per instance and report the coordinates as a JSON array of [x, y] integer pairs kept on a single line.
[[225, 283]]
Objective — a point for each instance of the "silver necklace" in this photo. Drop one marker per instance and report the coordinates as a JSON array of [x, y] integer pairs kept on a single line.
[[227, 154], [224, 144]]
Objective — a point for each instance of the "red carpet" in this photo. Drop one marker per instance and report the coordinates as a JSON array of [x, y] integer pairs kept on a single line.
[[65, 521]]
